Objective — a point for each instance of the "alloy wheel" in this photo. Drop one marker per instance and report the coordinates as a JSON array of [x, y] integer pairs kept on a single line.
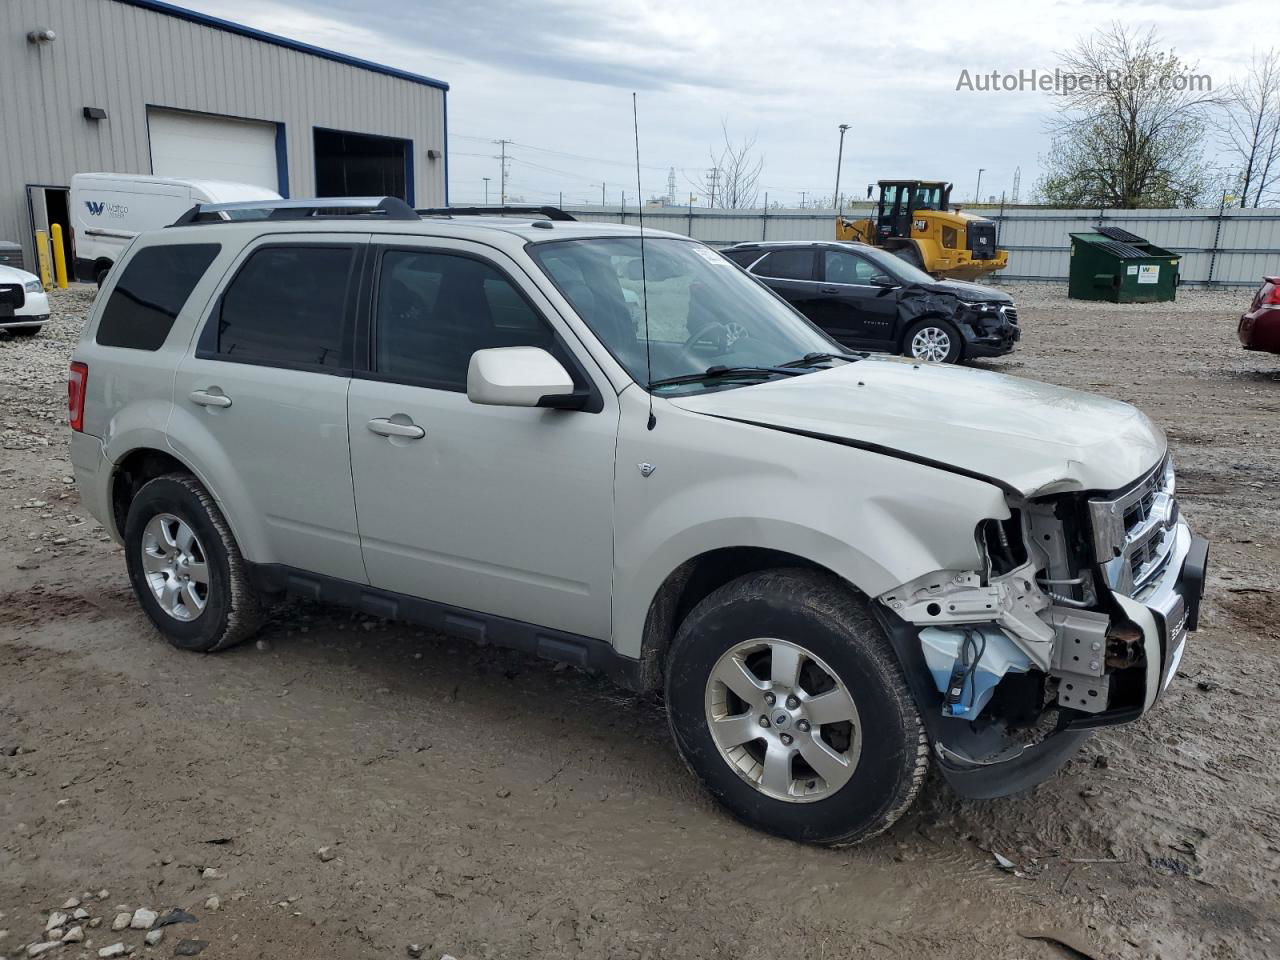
[[932, 344], [783, 720], [176, 567]]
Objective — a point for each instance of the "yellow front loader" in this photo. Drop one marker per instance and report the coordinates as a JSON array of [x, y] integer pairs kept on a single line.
[[914, 220]]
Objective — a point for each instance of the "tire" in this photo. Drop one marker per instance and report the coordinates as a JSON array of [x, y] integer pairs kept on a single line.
[[933, 340], [23, 331], [100, 274], [204, 617], [884, 751], [911, 255]]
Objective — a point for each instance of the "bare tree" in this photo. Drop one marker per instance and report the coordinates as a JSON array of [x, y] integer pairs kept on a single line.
[[1249, 126], [1130, 128], [733, 179]]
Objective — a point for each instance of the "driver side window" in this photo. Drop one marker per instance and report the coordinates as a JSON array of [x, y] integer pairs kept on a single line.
[[843, 267]]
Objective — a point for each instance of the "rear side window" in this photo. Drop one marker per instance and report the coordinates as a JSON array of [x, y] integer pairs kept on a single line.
[[787, 265], [151, 292], [286, 306]]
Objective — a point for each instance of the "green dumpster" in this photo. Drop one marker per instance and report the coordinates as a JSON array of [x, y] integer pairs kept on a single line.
[[1116, 265]]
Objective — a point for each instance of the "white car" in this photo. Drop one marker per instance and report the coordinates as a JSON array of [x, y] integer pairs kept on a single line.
[[24, 306], [836, 568]]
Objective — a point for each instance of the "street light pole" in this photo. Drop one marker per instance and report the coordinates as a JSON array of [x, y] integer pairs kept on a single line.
[[977, 191], [486, 190], [839, 160]]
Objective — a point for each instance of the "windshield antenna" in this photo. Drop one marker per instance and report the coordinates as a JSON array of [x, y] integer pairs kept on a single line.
[[644, 278]]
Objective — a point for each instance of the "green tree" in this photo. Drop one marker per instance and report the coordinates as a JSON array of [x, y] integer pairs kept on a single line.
[[1130, 126]]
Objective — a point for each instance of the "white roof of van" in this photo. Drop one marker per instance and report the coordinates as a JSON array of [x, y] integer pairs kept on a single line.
[[218, 191]]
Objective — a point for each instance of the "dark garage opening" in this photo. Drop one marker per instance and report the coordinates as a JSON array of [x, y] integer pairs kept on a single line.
[[360, 165]]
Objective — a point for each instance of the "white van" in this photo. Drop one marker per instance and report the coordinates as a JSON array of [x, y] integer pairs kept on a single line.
[[109, 209]]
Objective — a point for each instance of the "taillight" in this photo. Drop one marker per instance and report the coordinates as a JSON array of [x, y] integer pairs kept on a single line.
[[1273, 295], [77, 380]]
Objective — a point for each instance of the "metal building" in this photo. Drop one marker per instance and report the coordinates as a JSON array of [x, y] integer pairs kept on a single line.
[[145, 87]]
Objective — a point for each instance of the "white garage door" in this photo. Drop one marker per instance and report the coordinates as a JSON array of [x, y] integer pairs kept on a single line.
[[201, 147]]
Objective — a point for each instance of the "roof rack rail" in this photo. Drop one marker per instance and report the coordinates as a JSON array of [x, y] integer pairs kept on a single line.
[[387, 208], [551, 213]]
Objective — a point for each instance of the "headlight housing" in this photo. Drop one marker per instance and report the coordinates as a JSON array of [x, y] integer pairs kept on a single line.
[[980, 305], [33, 286]]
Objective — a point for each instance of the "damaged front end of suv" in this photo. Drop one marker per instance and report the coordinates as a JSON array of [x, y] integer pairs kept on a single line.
[[1076, 619]]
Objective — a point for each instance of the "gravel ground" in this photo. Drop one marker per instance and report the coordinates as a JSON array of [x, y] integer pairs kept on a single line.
[[349, 788]]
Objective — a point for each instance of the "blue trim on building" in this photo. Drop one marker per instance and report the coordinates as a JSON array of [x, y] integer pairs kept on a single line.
[[217, 23], [282, 162], [408, 173]]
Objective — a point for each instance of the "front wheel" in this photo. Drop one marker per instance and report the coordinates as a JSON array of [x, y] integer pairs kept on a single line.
[[932, 340], [787, 702]]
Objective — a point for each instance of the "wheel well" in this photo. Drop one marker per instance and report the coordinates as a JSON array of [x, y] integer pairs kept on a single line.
[[138, 467], [688, 585]]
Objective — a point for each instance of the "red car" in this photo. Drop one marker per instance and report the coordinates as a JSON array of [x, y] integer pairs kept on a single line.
[[1260, 328]]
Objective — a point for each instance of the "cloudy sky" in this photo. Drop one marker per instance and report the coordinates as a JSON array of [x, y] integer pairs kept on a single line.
[[556, 77]]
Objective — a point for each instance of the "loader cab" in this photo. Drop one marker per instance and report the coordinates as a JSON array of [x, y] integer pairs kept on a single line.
[[900, 199]]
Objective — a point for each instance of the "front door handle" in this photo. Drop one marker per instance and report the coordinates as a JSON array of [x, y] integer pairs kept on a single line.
[[828, 289], [389, 428], [207, 399]]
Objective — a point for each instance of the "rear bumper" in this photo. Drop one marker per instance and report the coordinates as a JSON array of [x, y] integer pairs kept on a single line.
[[93, 471], [1260, 330]]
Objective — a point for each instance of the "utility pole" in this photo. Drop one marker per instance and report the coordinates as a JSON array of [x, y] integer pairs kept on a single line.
[[839, 161], [602, 200], [977, 191], [486, 190], [713, 179], [802, 195], [502, 158]]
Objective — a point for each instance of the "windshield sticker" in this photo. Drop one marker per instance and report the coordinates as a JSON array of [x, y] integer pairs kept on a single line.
[[709, 255]]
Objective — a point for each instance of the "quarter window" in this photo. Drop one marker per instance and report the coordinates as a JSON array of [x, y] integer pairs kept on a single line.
[[435, 310], [287, 305], [787, 265], [155, 284]]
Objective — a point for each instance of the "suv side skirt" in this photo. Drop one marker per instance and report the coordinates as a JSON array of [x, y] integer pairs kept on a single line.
[[544, 642]]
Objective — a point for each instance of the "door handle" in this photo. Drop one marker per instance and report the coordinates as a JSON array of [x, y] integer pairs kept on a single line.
[[828, 289], [389, 428], [206, 399]]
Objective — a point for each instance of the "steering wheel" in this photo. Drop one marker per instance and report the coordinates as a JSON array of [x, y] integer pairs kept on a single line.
[[733, 332]]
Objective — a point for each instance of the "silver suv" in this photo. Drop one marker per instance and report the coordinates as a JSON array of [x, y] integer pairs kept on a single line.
[[625, 453]]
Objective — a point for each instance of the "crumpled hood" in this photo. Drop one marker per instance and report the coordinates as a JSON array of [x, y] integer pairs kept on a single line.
[[1034, 437]]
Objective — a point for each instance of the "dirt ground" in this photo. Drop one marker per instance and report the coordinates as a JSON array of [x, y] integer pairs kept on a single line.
[[481, 804]]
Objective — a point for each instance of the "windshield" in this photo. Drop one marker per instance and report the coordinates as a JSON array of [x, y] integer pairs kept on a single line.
[[704, 312]]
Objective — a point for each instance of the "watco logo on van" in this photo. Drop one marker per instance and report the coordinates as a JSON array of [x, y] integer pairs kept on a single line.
[[97, 208]]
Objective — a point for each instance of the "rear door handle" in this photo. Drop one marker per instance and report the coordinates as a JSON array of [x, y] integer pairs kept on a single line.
[[828, 289], [207, 399], [389, 428]]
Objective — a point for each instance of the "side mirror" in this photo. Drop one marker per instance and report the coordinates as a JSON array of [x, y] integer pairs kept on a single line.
[[518, 377], [884, 280]]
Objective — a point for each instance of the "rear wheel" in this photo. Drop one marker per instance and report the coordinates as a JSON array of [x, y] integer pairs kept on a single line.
[[787, 702], [185, 567], [933, 340]]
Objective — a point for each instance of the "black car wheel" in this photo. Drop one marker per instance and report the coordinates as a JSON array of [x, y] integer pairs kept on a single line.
[[186, 568], [787, 702], [933, 340]]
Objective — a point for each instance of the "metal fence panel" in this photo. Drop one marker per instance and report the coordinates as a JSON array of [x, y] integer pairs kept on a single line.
[[1230, 247]]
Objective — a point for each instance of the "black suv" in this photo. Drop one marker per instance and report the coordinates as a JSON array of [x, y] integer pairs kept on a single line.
[[870, 299]]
